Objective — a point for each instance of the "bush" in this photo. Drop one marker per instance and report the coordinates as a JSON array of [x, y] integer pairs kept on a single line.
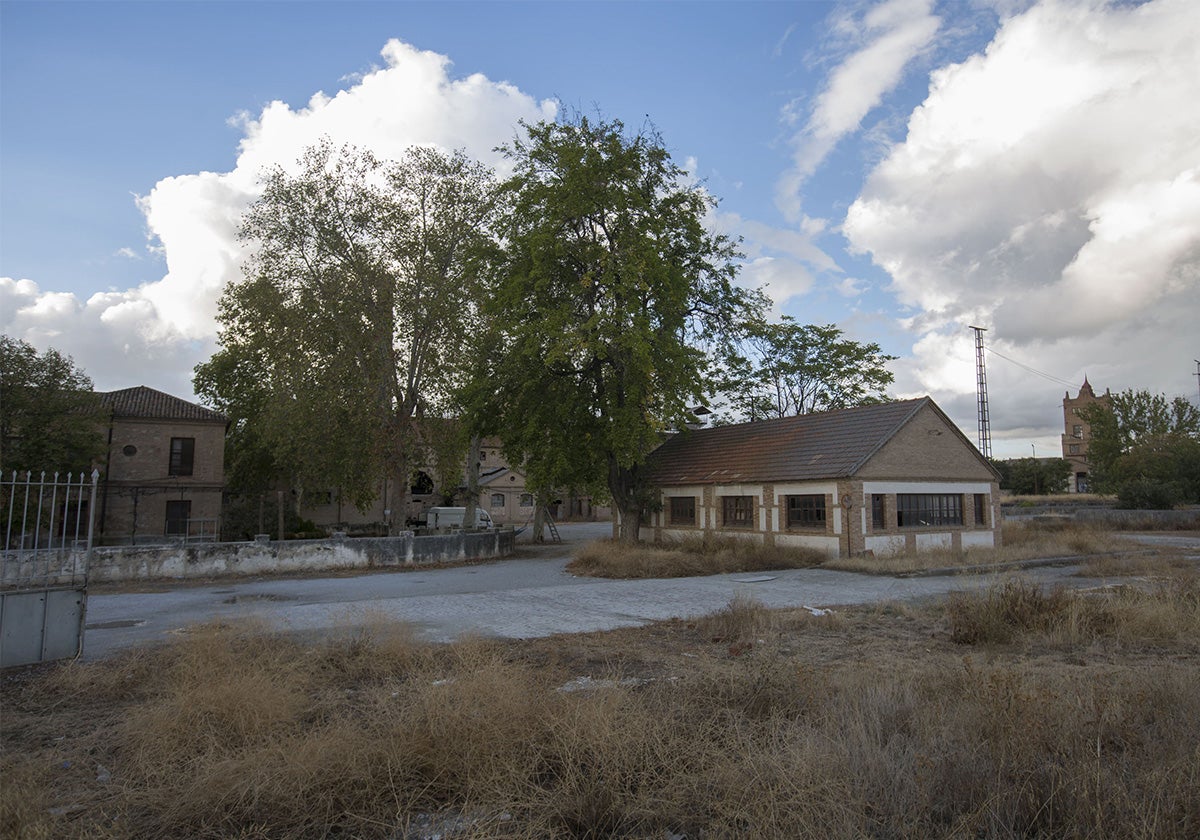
[[1148, 494]]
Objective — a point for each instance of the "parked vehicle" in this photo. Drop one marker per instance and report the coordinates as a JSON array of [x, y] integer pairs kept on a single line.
[[452, 517]]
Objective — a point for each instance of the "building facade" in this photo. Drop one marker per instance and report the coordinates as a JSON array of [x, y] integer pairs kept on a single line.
[[502, 493], [1077, 434], [883, 479], [164, 472]]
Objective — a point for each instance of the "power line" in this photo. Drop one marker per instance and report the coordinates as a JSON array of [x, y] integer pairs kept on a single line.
[[1033, 370]]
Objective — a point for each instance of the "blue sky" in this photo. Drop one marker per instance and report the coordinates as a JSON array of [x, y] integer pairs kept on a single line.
[[900, 168]]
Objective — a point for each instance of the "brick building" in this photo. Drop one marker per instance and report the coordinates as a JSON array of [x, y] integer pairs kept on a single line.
[[165, 468], [1077, 434], [502, 493], [881, 478]]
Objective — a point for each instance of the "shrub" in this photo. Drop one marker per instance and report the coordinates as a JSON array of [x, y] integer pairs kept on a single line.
[[1148, 494]]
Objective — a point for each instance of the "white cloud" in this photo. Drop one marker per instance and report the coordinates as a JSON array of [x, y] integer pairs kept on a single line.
[[884, 41], [1050, 188], [156, 333]]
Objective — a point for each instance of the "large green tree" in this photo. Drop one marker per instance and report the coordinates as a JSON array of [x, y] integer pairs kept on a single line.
[[1034, 476], [1145, 448], [50, 420], [352, 317], [783, 368], [608, 289]]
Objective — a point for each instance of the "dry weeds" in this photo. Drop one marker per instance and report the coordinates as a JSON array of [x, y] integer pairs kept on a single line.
[[688, 558], [1078, 720], [1020, 541]]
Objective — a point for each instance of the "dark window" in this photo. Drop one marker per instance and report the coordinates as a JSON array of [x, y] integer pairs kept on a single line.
[[1081, 482], [1077, 431], [683, 510], [422, 484], [129, 449], [178, 514], [981, 510], [526, 500], [182, 452], [916, 510], [497, 500], [1073, 448], [877, 523], [806, 511], [738, 511]]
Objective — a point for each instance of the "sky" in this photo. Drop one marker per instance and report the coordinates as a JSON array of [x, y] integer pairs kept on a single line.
[[903, 169]]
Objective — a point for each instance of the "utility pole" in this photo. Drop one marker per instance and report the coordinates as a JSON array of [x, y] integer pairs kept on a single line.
[[985, 423]]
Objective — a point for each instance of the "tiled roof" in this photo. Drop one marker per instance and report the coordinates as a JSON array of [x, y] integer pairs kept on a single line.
[[149, 404], [831, 444]]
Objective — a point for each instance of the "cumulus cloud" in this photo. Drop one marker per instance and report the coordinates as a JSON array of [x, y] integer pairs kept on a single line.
[[883, 42], [1049, 188], [156, 333]]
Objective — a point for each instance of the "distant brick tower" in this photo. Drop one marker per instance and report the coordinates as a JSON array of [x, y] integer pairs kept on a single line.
[[1077, 434]]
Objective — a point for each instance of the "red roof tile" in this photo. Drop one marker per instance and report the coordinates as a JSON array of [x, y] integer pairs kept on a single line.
[[149, 404], [831, 444]]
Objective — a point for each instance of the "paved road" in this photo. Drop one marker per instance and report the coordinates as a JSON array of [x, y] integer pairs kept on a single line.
[[519, 598]]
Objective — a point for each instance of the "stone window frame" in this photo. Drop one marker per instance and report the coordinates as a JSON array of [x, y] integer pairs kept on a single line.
[[929, 510], [182, 459], [177, 506], [742, 508], [498, 497], [820, 523], [982, 506], [879, 508], [526, 500], [675, 515]]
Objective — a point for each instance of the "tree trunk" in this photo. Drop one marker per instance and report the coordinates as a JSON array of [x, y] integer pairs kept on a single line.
[[623, 485], [539, 519], [472, 500]]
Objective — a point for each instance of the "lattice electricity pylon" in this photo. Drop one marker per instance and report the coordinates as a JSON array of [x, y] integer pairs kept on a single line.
[[985, 423]]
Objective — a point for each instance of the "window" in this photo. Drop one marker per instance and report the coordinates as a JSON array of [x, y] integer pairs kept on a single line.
[[182, 452], [916, 510], [806, 511], [179, 512], [877, 522], [981, 507], [526, 500], [497, 500], [738, 511], [1073, 448], [683, 510], [1077, 431]]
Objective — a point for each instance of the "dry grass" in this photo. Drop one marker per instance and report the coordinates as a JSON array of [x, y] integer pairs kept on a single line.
[[1020, 541], [746, 723], [1165, 611], [688, 558]]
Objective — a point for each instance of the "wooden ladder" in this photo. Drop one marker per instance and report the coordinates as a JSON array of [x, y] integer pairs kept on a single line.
[[554, 535]]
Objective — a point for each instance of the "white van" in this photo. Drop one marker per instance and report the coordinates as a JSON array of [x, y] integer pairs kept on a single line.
[[452, 517]]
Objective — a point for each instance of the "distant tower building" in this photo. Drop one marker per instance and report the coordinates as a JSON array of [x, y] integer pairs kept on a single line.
[[1077, 434]]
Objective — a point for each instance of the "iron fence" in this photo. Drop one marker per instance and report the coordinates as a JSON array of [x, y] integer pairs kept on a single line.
[[48, 529]]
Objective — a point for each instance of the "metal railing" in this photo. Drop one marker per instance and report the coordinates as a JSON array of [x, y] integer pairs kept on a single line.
[[48, 526]]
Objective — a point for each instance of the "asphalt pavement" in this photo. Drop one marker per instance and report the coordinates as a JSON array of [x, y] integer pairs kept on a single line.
[[528, 596]]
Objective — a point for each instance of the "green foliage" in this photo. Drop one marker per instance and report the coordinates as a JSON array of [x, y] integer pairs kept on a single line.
[[607, 290], [1034, 476], [1146, 449], [243, 515], [49, 417], [351, 321], [786, 368]]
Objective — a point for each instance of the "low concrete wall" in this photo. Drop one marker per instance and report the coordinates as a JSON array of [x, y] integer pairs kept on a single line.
[[122, 563], [1186, 518]]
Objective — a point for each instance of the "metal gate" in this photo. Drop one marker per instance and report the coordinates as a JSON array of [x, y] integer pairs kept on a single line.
[[48, 526]]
